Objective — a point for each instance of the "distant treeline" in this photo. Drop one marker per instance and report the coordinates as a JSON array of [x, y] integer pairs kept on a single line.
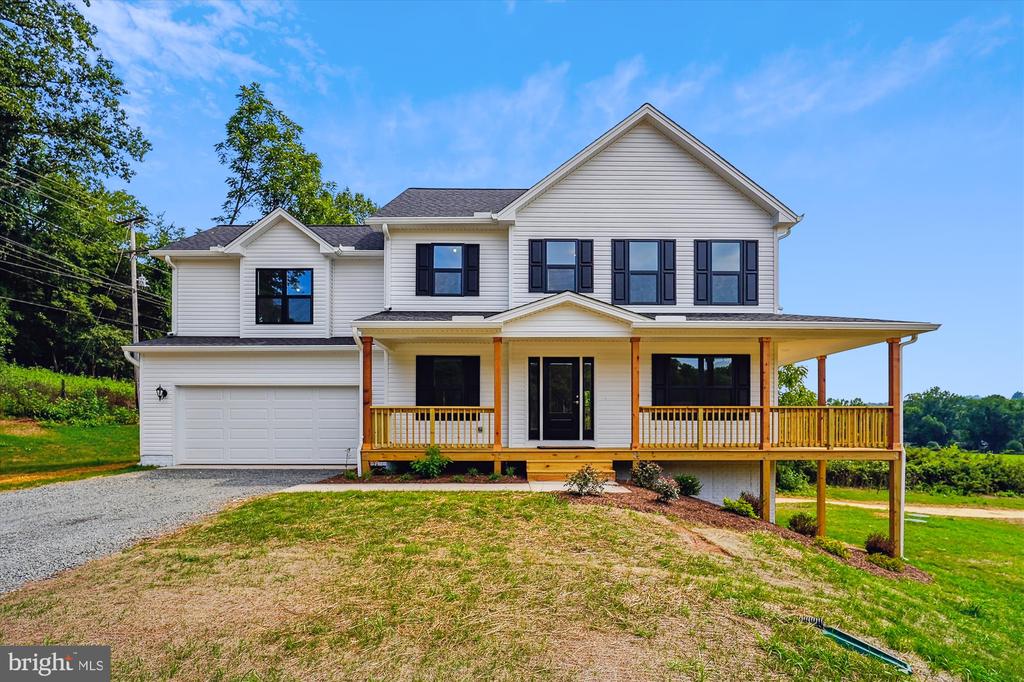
[[937, 418]]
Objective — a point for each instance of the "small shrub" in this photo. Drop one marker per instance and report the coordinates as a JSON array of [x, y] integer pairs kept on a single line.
[[689, 485], [877, 543], [405, 477], [492, 477], [472, 471], [666, 488], [585, 481], [889, 563], [751, 499], [834, 547], [644, 474], [739, 507], [803, 523], [432, 464], [350, 475], [510, 470], [458, 478]]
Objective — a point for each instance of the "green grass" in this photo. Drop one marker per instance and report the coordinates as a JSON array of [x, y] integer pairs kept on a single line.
[[35, 393], [514, 586], [915, 497], [36, 455]]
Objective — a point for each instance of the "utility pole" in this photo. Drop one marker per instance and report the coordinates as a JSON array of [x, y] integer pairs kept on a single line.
[[131, 222]]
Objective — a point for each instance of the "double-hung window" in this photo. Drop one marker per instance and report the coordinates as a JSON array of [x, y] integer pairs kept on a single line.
[[284, 296], [447, 269], [561, 265], [644, 271], [700, 379], [725, 272]]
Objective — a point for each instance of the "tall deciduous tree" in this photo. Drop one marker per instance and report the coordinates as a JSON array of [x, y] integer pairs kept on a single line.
[[271, 168], [791, 386]]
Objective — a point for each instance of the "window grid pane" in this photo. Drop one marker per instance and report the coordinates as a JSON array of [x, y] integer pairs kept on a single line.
[[561, 279], [643, 256], [448, 283], [448, 257], [725, 256], [561, 252], [725, 288]]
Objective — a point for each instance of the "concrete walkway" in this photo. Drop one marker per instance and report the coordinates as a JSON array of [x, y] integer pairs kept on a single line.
[[930, 509], [531, 487]]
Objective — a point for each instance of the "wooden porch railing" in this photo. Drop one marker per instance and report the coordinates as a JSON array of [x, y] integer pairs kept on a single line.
[[671, 428], [420, 427]]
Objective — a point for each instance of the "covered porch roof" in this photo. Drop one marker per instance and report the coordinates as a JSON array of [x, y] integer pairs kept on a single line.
[[569, 315]]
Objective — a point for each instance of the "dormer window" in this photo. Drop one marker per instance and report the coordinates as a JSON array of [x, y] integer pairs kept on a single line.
[[447, 269], [284, 296]]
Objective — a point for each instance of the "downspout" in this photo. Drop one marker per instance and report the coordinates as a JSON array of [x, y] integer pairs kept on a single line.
[[131, 358], [775, 274], [387, 265], [359, 450], [903, 456], [174, 295]]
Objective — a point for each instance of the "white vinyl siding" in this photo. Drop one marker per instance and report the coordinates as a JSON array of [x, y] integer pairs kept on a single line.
[[565, 321], [358, 291], [284, 246], [644, 186], [206, 297], [493, 268], [264, 368]]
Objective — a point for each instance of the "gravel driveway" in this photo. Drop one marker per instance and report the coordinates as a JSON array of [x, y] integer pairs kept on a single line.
[[53, 527]]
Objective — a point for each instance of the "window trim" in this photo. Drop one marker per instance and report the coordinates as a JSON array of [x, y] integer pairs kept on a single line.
[[285, 297]]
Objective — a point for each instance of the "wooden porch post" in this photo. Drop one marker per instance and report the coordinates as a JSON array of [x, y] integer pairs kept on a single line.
[[634, 386], [497, 403], [822, 463], [895, 438], [367, 352], [766, 425]]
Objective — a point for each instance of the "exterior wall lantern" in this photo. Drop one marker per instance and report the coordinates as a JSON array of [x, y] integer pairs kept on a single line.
[[161, 392]]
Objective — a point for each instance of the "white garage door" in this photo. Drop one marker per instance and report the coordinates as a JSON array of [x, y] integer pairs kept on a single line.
[[268, 425]]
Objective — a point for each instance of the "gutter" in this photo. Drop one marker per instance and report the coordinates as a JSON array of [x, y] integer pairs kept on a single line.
[[130, 358]]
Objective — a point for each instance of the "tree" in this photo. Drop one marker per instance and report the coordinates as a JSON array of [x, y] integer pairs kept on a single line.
[[791, 386], [270, 168]]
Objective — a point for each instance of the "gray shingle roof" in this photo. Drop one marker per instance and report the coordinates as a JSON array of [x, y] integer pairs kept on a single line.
[[427, 202], [187, 341], [362, 237]]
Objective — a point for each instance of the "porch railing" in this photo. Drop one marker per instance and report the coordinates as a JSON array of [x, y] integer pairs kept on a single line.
[[420, 427], [675, 427]]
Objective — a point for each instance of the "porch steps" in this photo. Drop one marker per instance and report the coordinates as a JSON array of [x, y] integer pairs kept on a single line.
[[548, 470]]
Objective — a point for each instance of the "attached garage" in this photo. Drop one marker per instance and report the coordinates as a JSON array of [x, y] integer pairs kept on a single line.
[[268, 425]]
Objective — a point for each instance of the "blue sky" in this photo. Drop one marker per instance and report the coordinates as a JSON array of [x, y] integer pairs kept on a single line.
[[898, 129]]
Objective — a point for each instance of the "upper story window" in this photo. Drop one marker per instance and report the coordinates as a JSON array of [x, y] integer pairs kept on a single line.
[[284, 296], [447, 269], [561, 265], [725, 272], [644, 271], [700, 379]]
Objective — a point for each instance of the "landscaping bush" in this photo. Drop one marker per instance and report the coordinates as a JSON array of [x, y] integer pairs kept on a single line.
[[834, 547], [1014, 447], [803, 523], [585, 481], [739, 507], [35, 393], [689, 485], [789, 478], [432, 464], [889, 563], [877, 543], [666, 488], [644, 474], [751, 499]]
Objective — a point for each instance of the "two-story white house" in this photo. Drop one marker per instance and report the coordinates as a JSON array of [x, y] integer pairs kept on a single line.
[[625, 306]]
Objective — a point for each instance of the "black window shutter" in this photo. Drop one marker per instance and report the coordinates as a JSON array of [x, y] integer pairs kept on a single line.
[[585, 262], [741, 379], [471, 269], [701, 272], [659, 380], [471, 375], [424, 380], [750, 272], [536, 265], [619, 275], [424, 265], [668, 272]]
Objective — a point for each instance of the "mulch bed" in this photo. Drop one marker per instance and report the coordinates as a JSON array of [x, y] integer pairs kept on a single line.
[[704, 513], [447, 478]]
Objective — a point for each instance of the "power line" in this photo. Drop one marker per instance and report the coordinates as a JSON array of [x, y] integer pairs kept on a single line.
[[88, 281], [76, 312], [23, 183], [60, 183]]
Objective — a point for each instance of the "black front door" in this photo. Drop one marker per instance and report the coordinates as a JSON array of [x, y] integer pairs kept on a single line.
[[561, 398]]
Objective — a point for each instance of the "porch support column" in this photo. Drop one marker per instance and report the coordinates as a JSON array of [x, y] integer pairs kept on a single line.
[[766, 425], [822, 463], [497, 403], [895, 443], [634, 384], [367, 352]]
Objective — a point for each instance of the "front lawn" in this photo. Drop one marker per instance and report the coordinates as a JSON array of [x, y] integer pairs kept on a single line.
[[31, 454], [510, 586], [915, 497]]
